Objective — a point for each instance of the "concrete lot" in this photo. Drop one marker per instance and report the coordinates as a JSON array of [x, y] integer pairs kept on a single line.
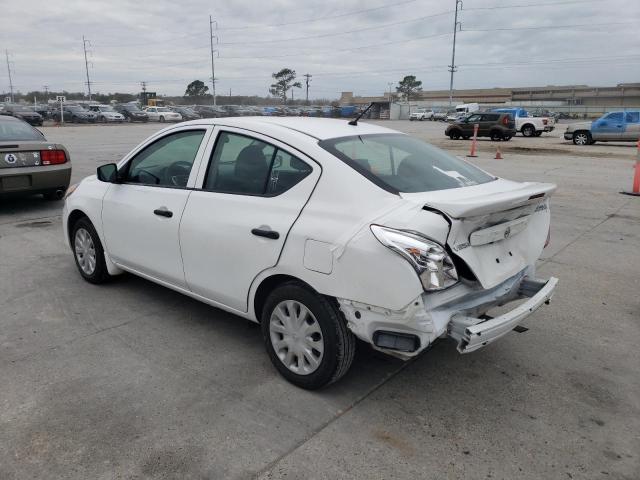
[[131, 380]]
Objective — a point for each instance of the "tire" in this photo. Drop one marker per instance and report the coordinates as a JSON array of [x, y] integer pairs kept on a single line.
[[421, 119], [454, 134], [410, 119], [528, 130], [466, 137], [327, 331], [496, 136], [582, 138], [161, 119], [128, 119], [506, 138], [83, 237], [74, 119], [538, 133]]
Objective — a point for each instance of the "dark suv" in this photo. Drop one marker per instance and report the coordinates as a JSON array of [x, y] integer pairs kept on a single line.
[[497, 126], [132, 113]]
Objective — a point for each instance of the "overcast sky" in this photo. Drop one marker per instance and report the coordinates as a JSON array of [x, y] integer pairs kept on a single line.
[[347, 45]]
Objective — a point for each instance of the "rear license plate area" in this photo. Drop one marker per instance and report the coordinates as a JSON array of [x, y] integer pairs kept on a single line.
[[17, 182]]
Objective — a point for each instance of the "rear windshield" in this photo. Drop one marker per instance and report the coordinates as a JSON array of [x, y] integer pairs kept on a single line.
[[18, 131], [400, 163]]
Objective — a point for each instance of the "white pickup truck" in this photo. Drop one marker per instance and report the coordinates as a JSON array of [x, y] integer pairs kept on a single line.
[[527, 125]]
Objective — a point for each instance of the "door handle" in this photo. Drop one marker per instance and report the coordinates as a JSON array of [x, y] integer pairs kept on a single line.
[[163, 212], [266, 233]]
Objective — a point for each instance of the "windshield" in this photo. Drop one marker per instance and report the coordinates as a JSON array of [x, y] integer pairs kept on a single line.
[[131, 108], [75, 109], [163, 109], [20, 108], [400, 163], [14, 131], [106, 109]]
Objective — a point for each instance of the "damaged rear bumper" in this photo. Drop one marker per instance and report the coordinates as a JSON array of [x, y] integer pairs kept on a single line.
[[459, 312], [474, 333]]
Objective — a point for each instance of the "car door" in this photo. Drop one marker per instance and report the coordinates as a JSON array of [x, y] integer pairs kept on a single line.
[[631, 126], [608, 127], [141, 214], [469, 124], [252, 191]]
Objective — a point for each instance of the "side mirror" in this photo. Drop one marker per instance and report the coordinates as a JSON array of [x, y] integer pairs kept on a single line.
[[108, 173]]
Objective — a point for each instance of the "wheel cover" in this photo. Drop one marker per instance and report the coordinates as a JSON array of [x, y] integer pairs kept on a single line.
[[85, 251], [296, 337], [581, 138]]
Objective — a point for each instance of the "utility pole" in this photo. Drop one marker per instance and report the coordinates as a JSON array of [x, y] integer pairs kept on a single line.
[[86, 63], [6, 52], [452, 67], [46, 92], [307, 79], [213, 70], [390, 84]]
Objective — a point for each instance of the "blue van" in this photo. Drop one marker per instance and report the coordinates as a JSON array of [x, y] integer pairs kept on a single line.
[[622, 126]]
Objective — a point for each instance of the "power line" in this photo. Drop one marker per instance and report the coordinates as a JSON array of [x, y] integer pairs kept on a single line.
[[527, 5], [554, 27], [319, 19]]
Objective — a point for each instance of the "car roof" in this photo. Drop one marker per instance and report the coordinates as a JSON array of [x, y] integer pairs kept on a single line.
[[320, 128], [7, 118]]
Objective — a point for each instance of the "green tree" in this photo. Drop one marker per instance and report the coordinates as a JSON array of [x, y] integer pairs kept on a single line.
[[197, 88], [284, 81], [409, 87]]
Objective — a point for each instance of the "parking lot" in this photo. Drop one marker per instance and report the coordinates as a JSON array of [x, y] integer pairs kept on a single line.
[[132, 380]]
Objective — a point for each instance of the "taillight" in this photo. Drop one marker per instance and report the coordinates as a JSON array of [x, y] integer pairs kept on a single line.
[[52, 157], [505, 121], [548, 238], [544, 121]]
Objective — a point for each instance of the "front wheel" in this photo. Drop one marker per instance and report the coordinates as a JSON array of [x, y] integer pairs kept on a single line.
[[306, 336], [581, 138], [454, 135], [161, 119], [88, 252]]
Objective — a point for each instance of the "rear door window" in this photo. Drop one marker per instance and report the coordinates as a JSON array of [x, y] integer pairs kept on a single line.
[[241, 164]]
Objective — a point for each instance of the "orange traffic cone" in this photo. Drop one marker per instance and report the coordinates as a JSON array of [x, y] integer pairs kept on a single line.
[[498, 154]]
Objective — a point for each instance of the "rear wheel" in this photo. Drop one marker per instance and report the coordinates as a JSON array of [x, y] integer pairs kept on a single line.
[[581, 138], [88, 252], [161, 119], [528, 130], [465, 137], [496, 135], [454, 134], [537, 134], [306, 336]]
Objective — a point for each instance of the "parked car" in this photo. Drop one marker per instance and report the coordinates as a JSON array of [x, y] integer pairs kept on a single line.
[[421, 114], [23, 113], [29, 163], [320, 231], [497, 126], [454, 116], [528, 125], [440, 116], [162, 114], [75, 114], [186, 113], [132, 113], [106, 113], [622, 126], [209, 111]]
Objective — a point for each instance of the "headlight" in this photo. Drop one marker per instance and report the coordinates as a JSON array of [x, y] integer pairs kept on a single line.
[[428, 258]]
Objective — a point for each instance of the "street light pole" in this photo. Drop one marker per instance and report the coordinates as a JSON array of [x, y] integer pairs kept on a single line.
[[452, 67]]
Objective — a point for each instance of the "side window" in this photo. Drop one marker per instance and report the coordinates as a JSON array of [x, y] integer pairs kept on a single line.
[[245, 165], [166, 162], [632, 117], [614, 117], [286, 171], [474, 118], [490, 117]]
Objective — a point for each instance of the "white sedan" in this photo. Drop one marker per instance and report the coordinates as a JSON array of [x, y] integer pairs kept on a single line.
[[162, 114], [321, 231]]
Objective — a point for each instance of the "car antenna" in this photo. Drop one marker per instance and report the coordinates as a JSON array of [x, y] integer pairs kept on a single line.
[[354, 122]]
